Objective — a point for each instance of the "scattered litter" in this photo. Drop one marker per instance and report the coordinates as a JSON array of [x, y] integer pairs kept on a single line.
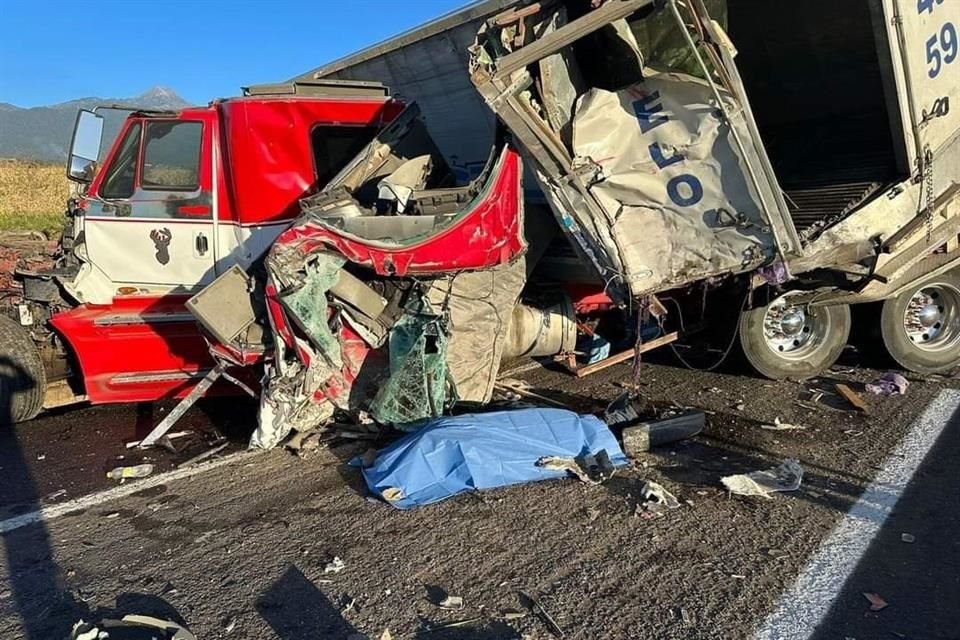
[[781, 426], [593, 513], [455, 454], [521, 389], [126, 473], [59, 493], [740, 406], [656, 499], [686, 617], [889, 384], [592, 469], [909, 538], [513, 614], [454, 624], [229, 625], [41, 456], [334, 566], [203, 456], [534, 605], [876, 602], [132, 626], [347, 602], [170, 436], [451, 602], [786, 477], [640, 435], [852, 397], [386, 635], [112, 515]]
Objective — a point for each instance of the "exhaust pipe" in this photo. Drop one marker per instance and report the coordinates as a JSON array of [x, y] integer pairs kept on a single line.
[[541, 332]]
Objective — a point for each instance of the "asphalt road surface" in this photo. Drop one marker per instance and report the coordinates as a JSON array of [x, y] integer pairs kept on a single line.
[[240, 550]]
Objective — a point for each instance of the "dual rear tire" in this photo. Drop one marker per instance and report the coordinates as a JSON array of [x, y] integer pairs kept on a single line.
[[920, 329]]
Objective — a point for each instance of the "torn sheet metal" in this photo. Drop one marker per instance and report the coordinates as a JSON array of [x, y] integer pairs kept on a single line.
[[670, 181], [480, 307], [472, 452]]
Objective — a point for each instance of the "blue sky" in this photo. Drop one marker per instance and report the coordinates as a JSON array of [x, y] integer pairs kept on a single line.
[[57, 50]]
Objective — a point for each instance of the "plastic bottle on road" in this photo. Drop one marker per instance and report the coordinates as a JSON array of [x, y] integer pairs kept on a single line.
[[124, 473]]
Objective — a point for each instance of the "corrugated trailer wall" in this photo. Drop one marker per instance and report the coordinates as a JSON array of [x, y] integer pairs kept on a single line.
[[429, 65]]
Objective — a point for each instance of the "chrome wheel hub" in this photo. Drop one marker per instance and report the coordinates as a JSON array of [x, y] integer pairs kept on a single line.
[[932, 317], [792, 331]]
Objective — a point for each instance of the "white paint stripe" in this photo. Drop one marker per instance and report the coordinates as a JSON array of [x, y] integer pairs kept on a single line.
[[806, 604], [85, 502]]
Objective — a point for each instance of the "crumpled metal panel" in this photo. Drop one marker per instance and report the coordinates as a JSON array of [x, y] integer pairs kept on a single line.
[[490, 233], [480, 306], [670, 182]]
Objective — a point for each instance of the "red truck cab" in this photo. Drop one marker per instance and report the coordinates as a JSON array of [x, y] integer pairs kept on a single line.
[[179, 199]]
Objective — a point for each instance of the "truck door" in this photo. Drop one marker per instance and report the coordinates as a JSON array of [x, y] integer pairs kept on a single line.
[[150, 222]]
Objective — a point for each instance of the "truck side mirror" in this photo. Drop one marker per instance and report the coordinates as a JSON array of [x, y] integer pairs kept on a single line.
[[85, 146]]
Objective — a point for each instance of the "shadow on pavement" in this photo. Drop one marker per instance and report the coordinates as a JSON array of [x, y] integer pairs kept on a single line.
[[920, 580], [297, 610], [45, 607]]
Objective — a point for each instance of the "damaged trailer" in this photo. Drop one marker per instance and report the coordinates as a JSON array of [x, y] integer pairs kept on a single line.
[[830, 181]]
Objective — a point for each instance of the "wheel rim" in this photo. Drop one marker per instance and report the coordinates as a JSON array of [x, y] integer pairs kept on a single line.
[[932, 317], [793, 332]]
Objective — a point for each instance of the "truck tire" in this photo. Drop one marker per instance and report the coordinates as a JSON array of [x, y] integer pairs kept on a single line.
[[22, 378], [783, 340], [921, 326]]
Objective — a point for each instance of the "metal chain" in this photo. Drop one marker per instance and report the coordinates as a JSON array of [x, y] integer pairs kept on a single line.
[[928, 188]]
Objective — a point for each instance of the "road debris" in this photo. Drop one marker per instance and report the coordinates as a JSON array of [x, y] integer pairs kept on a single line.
[[876, 602], [522, 389], [909, 538], [657, 500], [170, 436], [334, 566], [591, 469], [456, 454], [889, 384], [203, 456], [785, 477], [127, 473], [852, 397], [512, 614], [130, 627], [536, 607], [454, 603], [640, 435], [781, 426]]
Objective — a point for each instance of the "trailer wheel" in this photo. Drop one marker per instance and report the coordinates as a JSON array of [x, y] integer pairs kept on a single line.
[[921, 326], [22, 378], [784, 340]]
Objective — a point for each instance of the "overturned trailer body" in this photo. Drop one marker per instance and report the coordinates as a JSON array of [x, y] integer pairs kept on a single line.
[[733, 150]]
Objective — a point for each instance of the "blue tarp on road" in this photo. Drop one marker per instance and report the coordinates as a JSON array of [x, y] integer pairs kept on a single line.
[[454, 454]]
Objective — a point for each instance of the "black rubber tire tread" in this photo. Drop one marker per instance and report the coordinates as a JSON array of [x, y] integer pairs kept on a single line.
[[22, 378], [899, 346], [765, 362]]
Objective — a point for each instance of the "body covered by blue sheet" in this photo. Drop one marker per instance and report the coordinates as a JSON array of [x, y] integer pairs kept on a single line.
[[454, 454]]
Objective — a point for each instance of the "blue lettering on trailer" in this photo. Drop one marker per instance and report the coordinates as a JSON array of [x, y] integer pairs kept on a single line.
[[647, 109], [692, 184], [656, 154], [684, 190]]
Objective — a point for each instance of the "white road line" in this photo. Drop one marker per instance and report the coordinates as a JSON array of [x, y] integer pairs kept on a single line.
[[807, 602], [85, 502]]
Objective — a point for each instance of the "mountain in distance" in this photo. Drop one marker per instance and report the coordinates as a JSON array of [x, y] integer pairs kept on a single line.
[[43, 133]]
